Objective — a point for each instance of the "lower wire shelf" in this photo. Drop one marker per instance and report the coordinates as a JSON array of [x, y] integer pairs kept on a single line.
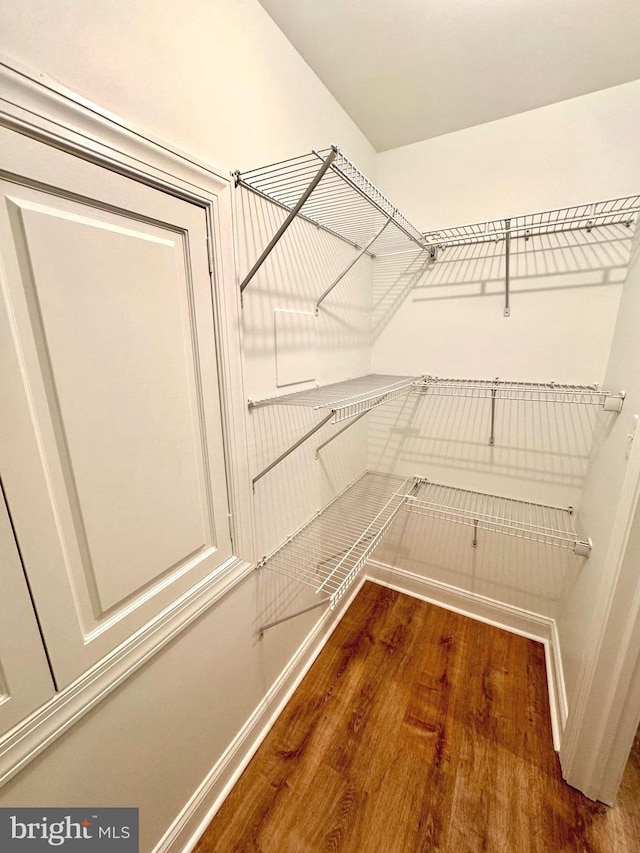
[[550, 525], [331, 549]]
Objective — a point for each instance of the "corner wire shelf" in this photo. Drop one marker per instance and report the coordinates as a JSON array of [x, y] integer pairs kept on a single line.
[[544, 523], [325, 188], [505, 390], [329, 551], [581, 217], [350, 399]]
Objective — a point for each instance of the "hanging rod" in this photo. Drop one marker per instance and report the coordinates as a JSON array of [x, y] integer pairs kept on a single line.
[[337, 197], [329, 551], [343, 400], [528, 392], [544, 523]]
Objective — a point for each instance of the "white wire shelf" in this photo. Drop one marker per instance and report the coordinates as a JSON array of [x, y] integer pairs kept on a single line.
[[583, 217], [535, 392], [330, 550], [345, 202], [544, 523], [348, 398], [325, 188]]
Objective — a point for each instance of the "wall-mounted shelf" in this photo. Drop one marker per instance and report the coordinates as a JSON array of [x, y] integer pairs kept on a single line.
[[550, 525], [330, 550], [341, 400], [582, 217], [532, 392], [325, 188]]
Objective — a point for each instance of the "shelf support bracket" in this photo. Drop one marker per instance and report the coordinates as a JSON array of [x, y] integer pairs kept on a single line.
[[292, 215], [507, 265], [293, 447], [339, 431], [362, 252], [275, 622], [492, 436]]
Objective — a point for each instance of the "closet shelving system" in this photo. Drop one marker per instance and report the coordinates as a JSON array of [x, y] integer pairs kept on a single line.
[[544, 523], [529, 392], [329, 551], [326, 189], [348, 400], [582, 217]]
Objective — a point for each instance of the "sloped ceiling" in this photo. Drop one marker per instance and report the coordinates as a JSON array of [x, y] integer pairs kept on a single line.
[[407, 70]]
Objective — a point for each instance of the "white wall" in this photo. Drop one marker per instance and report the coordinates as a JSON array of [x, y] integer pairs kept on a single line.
[[447, 319], [215, 78], [581, 615]]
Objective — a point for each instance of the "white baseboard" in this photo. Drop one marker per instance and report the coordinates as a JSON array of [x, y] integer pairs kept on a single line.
[[190, 824], [496, 613], [188, 827]]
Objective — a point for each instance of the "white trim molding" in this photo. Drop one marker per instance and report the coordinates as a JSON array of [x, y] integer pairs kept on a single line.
[[37, 107], [516, 620], [43, 109], [24, 742], [186, 830], [603, 717]]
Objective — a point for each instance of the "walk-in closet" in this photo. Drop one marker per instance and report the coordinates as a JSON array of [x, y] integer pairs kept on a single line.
[[320, 358]]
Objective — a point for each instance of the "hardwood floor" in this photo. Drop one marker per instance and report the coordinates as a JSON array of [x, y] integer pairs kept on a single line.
[[418, 730]]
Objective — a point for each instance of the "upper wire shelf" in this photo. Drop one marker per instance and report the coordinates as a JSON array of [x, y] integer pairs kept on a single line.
[[329, 551], [584, 217], [537, 392], [544, 523], [344, 202], [325, 188], [349, 398]]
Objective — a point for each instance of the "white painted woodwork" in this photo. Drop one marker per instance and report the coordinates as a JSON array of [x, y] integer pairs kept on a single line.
[[25, 679], [296, 346], [114, 463]]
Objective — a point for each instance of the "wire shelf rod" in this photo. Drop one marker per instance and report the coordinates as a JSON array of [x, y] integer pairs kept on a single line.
[[281, 230], [290, 450]]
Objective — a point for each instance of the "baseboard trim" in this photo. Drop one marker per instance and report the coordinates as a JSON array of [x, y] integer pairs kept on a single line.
[[534, 626], [188, 827], [186, 830]]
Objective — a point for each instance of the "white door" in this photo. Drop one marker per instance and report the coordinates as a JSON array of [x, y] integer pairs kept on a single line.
[[111, 452], [25, 679]]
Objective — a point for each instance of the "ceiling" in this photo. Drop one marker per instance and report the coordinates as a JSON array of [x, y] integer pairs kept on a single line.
[[407, 70]]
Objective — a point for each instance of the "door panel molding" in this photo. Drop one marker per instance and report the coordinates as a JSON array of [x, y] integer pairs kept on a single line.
[[37, 108]]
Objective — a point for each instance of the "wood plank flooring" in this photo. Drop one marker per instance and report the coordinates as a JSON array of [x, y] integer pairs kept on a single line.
[[418, 730]]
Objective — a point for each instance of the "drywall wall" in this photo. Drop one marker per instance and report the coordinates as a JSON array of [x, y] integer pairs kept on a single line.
[[216, 78], [447, 319], [581, 615], [219, 80]]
